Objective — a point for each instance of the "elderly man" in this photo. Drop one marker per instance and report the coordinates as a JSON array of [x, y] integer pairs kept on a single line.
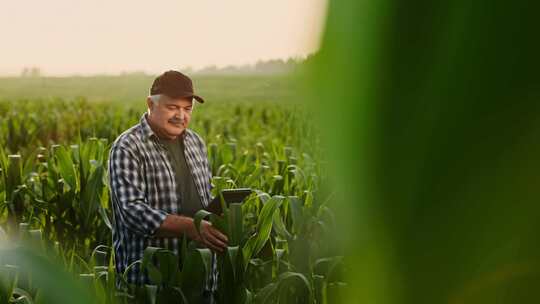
[[159, 178]]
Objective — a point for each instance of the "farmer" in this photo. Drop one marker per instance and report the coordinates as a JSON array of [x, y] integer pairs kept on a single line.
[[159, 178]]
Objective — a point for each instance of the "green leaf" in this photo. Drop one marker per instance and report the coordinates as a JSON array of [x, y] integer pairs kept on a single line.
[[264, 226], [8, 281], [151, 293], [279, 227], [327, 267], [232, 287], [297, 213], [266, 294], [227, 280], [196, 268], [199, 216], [167, 265], [90, 198], [236, 224], [302, 287], [104, 217], [66, 167]]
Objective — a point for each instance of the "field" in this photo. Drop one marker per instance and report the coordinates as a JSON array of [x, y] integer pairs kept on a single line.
[[55, 216]]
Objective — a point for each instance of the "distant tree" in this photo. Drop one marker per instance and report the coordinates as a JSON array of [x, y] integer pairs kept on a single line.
[[31, 72], [272, 66]]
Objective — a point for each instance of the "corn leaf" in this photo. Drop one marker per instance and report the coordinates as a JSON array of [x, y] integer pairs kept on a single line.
[[264, 226]]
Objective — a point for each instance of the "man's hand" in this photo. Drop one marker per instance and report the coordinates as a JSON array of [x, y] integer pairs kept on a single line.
[[176, 225], [208, 236]]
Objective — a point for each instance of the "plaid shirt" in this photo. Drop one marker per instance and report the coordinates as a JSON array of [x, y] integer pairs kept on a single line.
[[143, 192]]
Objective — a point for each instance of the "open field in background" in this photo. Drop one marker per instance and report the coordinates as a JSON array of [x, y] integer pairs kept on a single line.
[[43, 111], [134, 87], [56, 134]]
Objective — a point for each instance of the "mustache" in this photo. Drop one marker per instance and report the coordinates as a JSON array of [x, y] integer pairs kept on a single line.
[[176, 121]]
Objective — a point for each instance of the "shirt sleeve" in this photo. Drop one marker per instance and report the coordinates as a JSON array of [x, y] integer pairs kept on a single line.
[[128, 191]]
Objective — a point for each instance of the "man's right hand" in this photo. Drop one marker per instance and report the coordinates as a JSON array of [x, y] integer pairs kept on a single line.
[[208, 236]]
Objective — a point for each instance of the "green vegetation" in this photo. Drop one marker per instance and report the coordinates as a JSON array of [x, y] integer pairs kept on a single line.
[[435, 147], [55, 197]]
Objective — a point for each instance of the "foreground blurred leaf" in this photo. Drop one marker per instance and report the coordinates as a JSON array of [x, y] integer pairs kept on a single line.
[[434, 137], [56, 285]]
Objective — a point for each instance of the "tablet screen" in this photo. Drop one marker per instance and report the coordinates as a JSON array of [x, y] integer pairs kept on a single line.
[[230, 196]]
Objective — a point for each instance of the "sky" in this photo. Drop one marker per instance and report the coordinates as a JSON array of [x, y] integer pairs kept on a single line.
[[86, 37]]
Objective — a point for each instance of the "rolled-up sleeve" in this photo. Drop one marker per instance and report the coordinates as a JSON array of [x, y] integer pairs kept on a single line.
[[128, 194]]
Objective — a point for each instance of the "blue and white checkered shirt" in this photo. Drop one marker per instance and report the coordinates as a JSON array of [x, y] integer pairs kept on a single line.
[[143, 192]]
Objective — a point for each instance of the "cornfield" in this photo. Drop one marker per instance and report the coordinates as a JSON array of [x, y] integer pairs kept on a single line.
[[56, 210]]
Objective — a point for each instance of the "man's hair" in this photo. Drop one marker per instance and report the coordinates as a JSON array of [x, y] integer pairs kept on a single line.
[[155, 98]]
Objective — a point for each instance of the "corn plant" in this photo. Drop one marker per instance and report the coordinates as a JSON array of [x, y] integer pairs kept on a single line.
[[279, 247]]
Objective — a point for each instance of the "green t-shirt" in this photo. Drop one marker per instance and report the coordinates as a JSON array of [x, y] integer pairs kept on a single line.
[[188, 197]]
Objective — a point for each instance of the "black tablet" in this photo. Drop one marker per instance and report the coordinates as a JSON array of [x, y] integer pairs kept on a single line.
[[230, 196]]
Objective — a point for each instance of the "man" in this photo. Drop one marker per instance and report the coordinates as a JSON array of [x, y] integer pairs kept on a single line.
[[159, 178]]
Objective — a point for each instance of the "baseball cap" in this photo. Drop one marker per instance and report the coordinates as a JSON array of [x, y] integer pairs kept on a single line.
[[175, 85]]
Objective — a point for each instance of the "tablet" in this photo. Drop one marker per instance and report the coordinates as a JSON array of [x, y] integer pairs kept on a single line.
[[230, 196]]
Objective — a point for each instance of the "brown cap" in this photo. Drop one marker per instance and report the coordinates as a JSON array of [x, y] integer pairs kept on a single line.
[[175, 85]]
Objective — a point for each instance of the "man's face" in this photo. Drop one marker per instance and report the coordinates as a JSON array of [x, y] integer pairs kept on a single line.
[[170, 116]]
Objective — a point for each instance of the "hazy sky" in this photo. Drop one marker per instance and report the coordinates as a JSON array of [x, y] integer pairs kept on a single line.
[[110, 36]]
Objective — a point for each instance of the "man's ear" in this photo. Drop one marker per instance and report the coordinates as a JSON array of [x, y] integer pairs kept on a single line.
[[150, 104]]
